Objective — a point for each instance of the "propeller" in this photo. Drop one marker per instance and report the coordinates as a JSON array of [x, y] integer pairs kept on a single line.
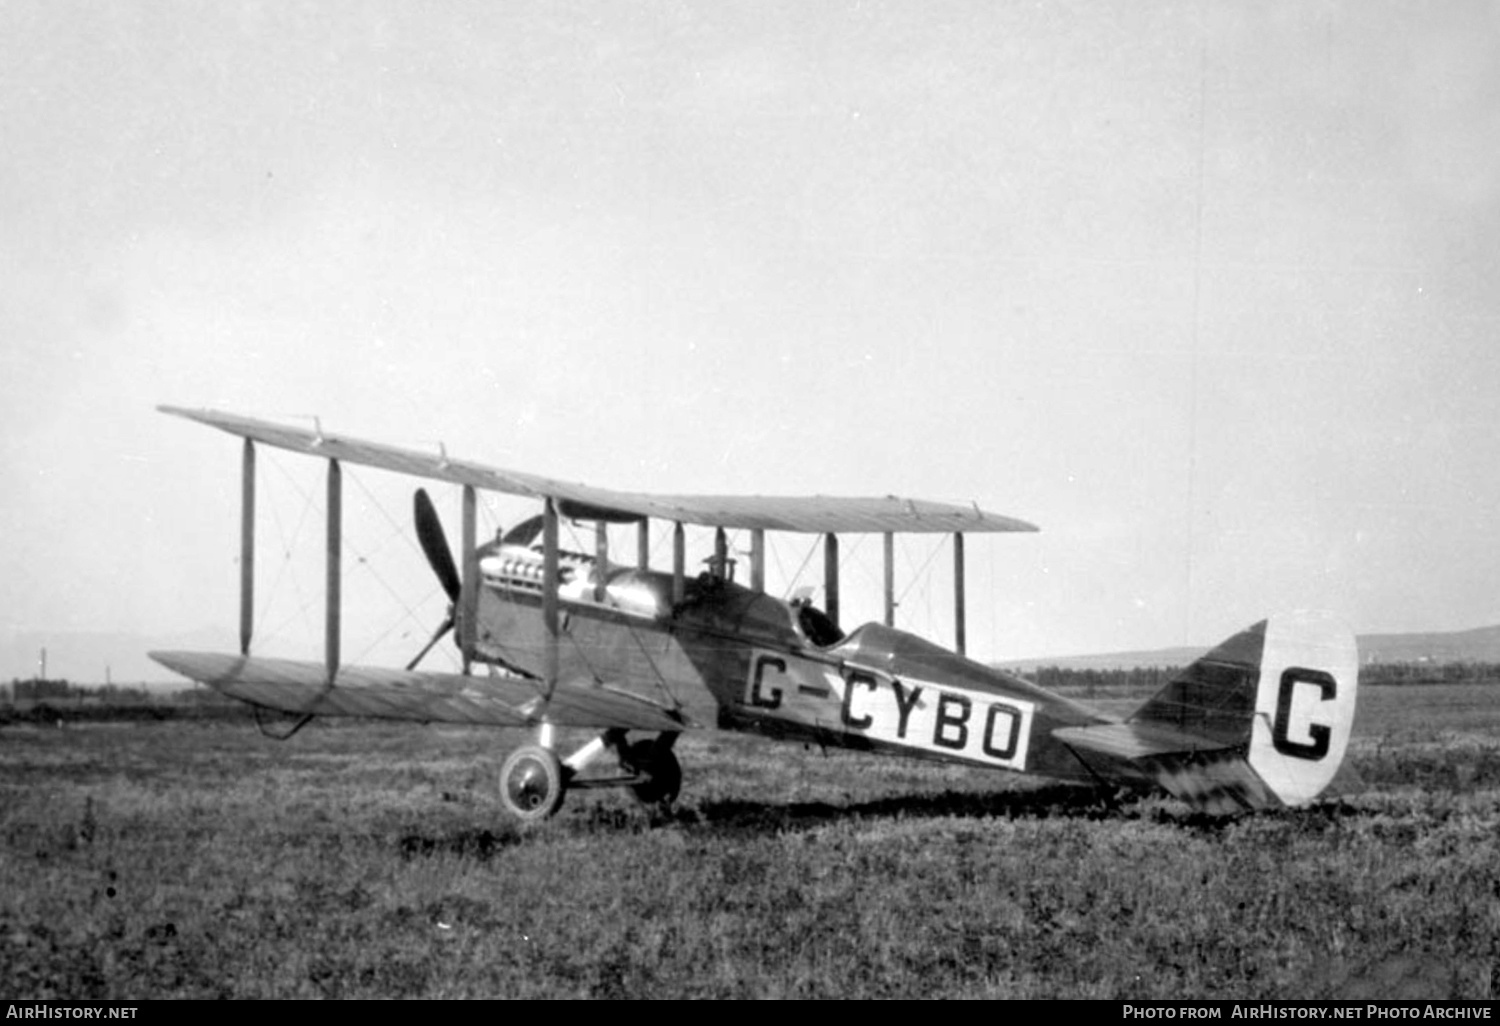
[[435, 544], [435, 547], [437, 635]]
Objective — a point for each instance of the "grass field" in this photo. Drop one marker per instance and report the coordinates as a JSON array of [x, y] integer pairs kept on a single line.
[[369, 860]]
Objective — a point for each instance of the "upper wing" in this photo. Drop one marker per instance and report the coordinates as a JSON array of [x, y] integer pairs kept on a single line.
[[295, 686], [807, 513]]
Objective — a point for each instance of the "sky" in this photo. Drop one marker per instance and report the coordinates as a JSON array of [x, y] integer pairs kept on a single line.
[[1205, 290]]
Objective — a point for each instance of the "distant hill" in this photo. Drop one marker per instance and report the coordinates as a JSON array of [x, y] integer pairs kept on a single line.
[[1481, 645], [1110, 660]]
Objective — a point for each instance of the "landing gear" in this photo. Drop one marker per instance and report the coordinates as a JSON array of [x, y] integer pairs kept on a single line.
[[532, 783], [654, 761]]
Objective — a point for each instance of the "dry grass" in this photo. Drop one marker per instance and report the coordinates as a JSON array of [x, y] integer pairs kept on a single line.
[[369, 860]]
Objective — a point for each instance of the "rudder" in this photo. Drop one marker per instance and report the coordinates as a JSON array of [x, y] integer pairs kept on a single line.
[[1304, 705]]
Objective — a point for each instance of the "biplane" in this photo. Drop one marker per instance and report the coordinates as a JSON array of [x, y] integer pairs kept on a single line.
[[560, 639]]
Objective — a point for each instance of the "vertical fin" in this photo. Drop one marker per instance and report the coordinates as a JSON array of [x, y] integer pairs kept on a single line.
[[1214, 698]]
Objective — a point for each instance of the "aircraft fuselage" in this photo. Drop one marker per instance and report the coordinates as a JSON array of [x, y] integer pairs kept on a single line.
[[741, 660]]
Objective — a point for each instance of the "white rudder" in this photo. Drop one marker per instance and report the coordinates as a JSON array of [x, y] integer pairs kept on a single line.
[[1304, 704]]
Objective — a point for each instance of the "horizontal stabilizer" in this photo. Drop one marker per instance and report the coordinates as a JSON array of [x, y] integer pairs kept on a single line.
[[302, 688], [1208, 774], [1219, 784], [1133, 740]]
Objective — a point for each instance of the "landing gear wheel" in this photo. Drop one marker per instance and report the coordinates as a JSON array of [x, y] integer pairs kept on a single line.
[[532, 784], [661, 765]]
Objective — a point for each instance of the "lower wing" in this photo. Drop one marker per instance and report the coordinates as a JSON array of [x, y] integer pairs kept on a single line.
[[303, 688]]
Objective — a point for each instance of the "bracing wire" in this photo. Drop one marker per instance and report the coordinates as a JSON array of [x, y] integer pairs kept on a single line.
[[792, 584], [921, 571], [365, 560], [286, 564], [365, 557], [921, 577]]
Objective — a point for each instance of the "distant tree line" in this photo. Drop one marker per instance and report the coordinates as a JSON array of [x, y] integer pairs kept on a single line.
[[37, 688], [55, 703], [1152, 678], [41, 690], [1429, 673]]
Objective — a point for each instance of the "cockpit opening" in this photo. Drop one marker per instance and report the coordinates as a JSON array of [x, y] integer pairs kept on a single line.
[[817, 625]]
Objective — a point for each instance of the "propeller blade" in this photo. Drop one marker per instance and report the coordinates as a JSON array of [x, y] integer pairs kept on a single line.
[[435, 545], [437, 635]]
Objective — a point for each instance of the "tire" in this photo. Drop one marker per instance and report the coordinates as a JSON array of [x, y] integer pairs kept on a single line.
[[532, 785], [665, 771]]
